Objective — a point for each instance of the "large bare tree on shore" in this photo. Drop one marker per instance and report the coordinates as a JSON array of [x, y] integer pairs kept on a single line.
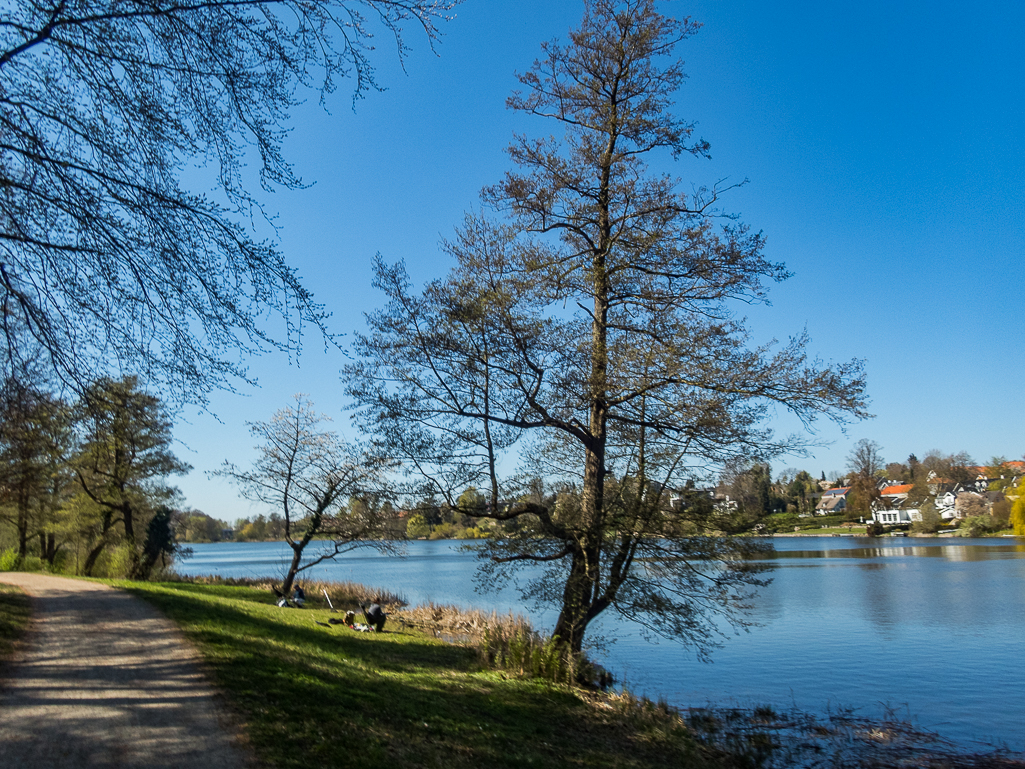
[[107, 263], [596, 323]]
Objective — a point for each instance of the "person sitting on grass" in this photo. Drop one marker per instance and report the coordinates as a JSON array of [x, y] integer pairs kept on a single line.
[[299, 596], [374, 614]]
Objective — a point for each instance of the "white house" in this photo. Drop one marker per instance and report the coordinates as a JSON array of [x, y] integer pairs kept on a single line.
[[892, 506], [891, 516], [833, 501]]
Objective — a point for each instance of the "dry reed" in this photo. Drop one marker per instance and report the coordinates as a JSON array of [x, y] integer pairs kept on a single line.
[[343, 595], [506, 642]]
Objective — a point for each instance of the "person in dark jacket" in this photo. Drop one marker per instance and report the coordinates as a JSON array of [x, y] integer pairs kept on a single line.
[[375, 615]]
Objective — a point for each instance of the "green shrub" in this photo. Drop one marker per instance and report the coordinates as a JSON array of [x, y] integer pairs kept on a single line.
[[63, 563], [32, 563], [527, 653], [931, 520], [417, 527], [444, 531], [975, 526], [9, 560], [114, 562]]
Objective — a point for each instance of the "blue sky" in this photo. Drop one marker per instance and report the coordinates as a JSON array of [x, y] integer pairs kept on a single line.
[[883, 147]]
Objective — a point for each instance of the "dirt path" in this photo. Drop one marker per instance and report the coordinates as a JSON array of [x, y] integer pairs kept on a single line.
[[104, 680]]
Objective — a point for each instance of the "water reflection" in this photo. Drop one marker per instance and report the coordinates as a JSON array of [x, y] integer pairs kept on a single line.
[[956, 553]]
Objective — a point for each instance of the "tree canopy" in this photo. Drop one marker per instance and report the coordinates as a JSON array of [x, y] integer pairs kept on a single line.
[[123, 460], [1017, 517], [36, 442], [108, 264], [590, 326]]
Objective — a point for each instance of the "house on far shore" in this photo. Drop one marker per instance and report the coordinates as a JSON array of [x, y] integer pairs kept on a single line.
[[833, 501], [897, 515], [894, 496], [892, 505]]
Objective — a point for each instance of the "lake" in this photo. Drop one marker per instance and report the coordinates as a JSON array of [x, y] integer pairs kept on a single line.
[[933, 629]]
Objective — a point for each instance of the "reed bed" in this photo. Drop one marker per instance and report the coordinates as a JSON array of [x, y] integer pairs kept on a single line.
[[343, 595], [506, 642], [454, 623]]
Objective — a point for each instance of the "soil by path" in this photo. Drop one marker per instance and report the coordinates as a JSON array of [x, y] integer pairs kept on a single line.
[[104, 680]]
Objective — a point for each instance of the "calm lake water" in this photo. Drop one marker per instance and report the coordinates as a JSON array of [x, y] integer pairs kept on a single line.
[[931, 628]]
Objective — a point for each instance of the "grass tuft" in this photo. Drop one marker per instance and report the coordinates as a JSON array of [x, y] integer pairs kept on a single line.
[[342, 595]]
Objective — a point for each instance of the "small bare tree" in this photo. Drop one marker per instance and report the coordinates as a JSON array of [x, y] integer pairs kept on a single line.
[[309, 473], [864, 462]]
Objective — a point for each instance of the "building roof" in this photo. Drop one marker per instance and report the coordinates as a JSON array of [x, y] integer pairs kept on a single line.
[[891, 491], [836, 492], [831, 503]]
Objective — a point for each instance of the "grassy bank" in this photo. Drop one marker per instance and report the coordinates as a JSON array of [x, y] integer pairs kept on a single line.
[[15, 613], [320, 695], [327, 696]]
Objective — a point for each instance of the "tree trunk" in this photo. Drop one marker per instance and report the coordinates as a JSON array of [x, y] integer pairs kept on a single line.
[[47, 546], [128, 519], [22, 528], [577, 598], [293, 569], [90, 560]]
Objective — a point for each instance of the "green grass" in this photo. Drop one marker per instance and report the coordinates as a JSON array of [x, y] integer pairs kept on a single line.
[[15, 613], [825, 531], [313, 696]]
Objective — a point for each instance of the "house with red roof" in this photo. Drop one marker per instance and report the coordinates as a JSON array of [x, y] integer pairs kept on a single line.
[[896, 493], [892, 507]]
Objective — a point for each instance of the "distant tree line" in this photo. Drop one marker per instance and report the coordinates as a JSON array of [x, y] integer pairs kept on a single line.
[[756, 496]]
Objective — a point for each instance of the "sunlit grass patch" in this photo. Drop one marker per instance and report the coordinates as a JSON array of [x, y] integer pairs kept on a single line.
[[321, 696]]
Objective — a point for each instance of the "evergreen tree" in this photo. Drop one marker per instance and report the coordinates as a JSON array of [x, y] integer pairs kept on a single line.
[[123, 461]]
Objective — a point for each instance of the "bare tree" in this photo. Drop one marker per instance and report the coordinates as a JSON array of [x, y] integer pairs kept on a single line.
[[106, 262], [864, 462], [597, 318], [308, 474], [866, 458]]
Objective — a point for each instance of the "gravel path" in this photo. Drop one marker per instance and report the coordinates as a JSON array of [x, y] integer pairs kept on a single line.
[[104, 680]]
